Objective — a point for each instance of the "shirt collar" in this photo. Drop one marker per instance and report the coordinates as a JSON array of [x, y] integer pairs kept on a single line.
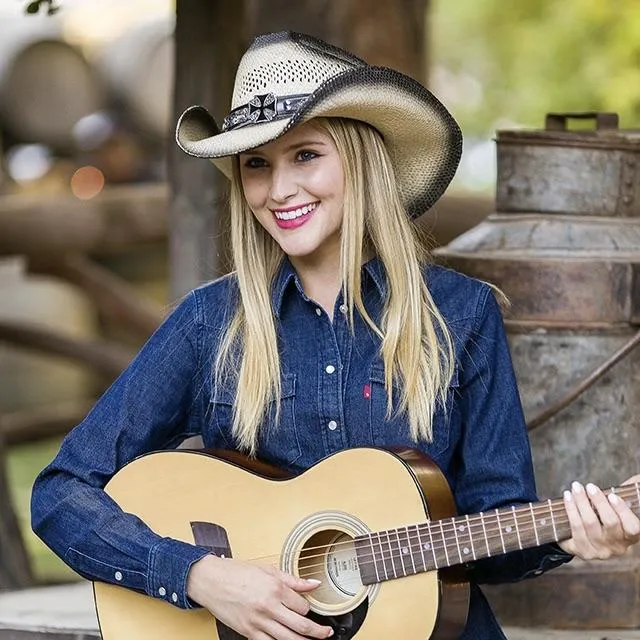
[[287, 274]]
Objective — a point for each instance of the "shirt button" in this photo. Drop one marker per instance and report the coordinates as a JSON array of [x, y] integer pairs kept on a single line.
[[118, 575], [330, 369], [333, 425], [318, 312], [162, 591], [343, 308], [174, 597]]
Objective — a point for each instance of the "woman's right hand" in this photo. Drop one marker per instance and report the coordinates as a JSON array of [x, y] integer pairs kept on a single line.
[[259, 602]]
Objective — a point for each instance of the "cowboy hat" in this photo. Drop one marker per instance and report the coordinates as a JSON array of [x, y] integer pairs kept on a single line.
[[287, 78]]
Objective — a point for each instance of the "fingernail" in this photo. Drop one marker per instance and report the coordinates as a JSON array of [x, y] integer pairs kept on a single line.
[[613, 498], [592, 489], [567, 496], [330, 633], [577, 487], [313, 581]]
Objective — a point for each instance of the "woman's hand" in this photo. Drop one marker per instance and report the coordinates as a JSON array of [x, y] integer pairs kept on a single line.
[[260, 603], [601, 526]]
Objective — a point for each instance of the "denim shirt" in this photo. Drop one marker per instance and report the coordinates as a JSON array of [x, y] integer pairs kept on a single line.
[[333, 397]]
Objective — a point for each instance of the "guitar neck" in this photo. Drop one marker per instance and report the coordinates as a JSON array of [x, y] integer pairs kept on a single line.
[[405, 551]]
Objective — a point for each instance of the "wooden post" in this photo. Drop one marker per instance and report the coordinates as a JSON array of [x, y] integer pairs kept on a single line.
[[15, 571], [208, 47]]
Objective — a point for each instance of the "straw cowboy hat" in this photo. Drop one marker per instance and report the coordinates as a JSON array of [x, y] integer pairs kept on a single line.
[[287, 78]]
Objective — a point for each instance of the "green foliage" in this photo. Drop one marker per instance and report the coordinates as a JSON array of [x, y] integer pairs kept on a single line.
[[531, 57]]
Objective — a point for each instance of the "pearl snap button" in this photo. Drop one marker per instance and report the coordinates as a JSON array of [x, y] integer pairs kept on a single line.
[[343, 308], [318, 312], [118, 575], [162, 591], [174, 597], [330, 369], [333, 425]]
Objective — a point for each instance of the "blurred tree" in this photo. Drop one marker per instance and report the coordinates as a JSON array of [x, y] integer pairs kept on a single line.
[[523, 59]]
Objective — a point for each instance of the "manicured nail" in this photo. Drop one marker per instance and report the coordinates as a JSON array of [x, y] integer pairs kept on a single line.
[[613, 498], [314, 581], [567, 496], [577, 487], [592, 489]]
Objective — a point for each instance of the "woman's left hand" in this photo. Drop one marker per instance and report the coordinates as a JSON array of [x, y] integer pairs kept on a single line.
[[601, 526]]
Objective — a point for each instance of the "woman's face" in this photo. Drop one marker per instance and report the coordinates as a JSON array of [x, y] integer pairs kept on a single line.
[[295, 188]]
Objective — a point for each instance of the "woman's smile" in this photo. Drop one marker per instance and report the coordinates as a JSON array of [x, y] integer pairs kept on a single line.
[[294, 217]]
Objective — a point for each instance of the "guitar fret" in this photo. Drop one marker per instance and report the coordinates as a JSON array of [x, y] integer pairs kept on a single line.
[[420, 543], [535, 528], [384, 564], [473, 549], [391, 555], [444, 544], [401, 553], [407, 551], [515, 523], [553, 520], [504, 549], [455, 533], [637, 485], [433, 549], [484, 529], [374, 558]]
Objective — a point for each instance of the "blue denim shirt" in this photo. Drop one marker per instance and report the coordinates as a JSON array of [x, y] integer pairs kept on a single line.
[[333, 398]]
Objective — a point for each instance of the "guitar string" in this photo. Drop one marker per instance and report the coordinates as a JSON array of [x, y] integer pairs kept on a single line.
[[440, 544], [484, 521], [395, 554]]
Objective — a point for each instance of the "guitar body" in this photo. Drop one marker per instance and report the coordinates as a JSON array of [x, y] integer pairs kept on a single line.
[[304, 525]]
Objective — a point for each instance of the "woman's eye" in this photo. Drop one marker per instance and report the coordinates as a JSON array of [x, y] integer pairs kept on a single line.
[[305, 156], [255, 163]]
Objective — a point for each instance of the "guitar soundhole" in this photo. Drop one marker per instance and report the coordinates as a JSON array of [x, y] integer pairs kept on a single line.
[[330, 556]]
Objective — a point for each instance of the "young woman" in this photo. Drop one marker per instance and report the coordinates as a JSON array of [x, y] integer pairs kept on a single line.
[[333, 331]]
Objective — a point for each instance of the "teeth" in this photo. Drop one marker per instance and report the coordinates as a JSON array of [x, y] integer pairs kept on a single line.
[[296, 213]]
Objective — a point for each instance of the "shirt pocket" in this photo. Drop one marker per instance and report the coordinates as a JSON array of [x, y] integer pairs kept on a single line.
[[277, 443], [394, 432]]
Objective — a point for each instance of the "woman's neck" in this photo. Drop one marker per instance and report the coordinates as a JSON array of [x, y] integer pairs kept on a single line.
[[320, 281]]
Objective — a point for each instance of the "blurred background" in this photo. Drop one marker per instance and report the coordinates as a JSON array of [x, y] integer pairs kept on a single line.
[[86, 119]]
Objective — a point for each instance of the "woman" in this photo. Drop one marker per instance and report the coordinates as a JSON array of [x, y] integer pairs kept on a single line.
[[334, 331]]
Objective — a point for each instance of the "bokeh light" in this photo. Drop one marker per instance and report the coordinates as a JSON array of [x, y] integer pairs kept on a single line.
[[87, 183]]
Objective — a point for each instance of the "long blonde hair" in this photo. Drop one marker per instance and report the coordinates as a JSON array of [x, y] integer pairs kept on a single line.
[[416, 344]]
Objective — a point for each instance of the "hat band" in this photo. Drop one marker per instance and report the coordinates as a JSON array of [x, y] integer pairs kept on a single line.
[[263, 108]]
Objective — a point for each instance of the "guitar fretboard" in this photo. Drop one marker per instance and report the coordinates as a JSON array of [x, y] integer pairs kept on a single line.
[[405, 551]]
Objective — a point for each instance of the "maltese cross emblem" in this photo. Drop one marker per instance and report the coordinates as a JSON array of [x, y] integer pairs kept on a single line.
[[262, 108]]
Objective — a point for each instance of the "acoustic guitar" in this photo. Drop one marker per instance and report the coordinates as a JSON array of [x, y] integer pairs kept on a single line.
[[379, 529]]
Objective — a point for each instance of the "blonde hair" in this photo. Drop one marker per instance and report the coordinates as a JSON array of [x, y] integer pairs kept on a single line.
[[416, 344]]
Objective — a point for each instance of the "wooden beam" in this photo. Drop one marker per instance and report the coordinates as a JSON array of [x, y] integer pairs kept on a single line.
[[104, 357], [36, 424], [119, 217], [113, 296]]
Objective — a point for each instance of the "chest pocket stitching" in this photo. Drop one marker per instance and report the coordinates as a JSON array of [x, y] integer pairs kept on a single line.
[[378, 409], [224, 398]]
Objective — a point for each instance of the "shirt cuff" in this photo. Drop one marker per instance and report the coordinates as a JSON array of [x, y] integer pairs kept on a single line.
[[169, 564]]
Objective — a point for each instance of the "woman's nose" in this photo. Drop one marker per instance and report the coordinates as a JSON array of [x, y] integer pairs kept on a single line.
[[283, 185]]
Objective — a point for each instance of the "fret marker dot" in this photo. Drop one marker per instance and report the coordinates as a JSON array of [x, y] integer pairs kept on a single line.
[[508, 529], [543, 521], [405, 550], [427, 546], [465, 550], [461, 527]]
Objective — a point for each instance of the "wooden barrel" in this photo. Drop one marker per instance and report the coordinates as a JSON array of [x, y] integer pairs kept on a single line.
[[138, 68], [46, 84]]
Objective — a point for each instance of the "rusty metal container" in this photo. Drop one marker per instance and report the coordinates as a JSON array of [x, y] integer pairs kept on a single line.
[[564, 246]]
